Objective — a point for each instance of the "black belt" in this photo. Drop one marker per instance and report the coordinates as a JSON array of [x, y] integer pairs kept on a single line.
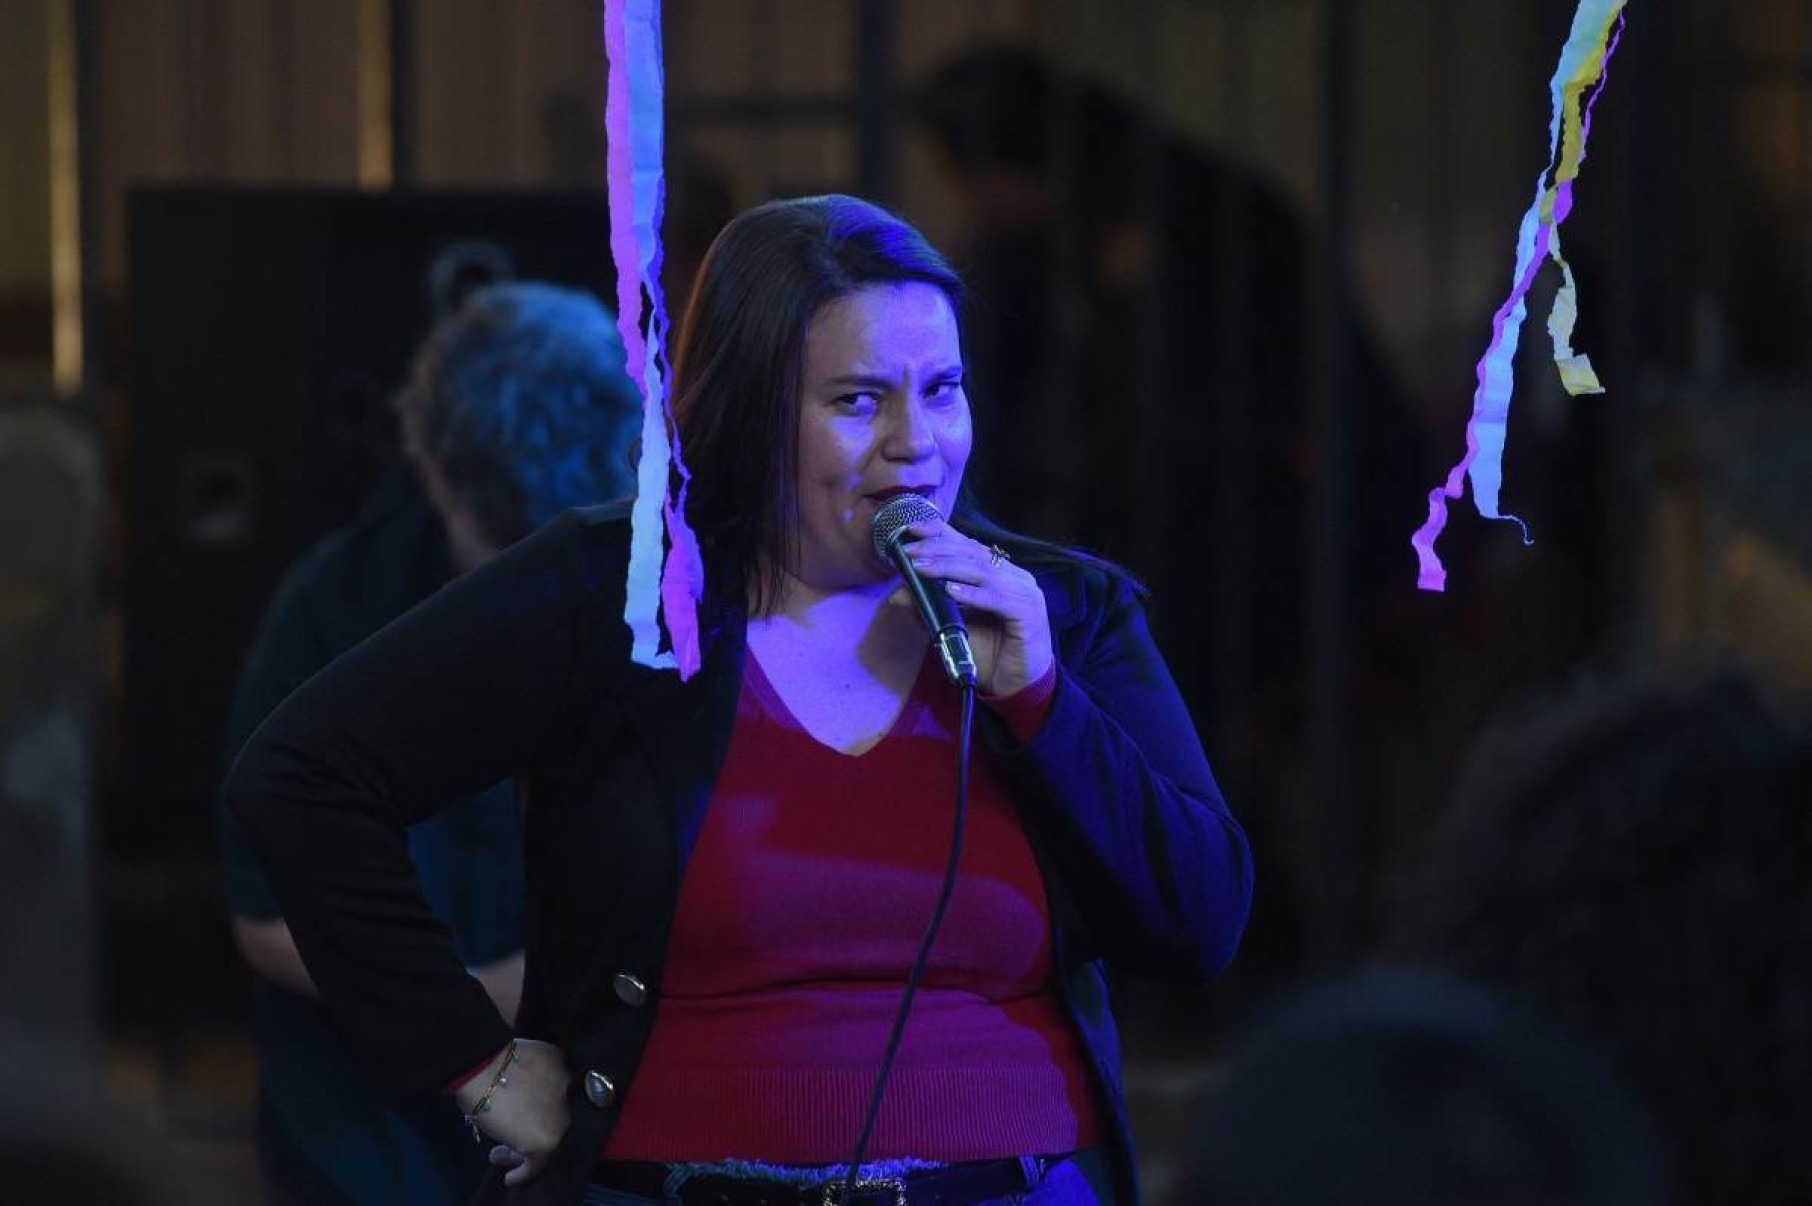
[[946, 1185]]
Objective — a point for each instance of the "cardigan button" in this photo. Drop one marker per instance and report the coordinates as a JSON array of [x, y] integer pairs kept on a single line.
[[600, 1090], [629, 990]]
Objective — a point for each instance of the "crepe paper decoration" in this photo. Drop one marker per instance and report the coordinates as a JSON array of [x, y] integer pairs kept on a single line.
[[660, 587], [1584, 64]]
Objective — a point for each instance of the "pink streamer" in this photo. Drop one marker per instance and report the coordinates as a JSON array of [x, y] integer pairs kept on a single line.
[[659, 587]]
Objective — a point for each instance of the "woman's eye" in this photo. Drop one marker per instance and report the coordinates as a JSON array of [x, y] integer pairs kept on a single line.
[[947, 388], [855, 403]]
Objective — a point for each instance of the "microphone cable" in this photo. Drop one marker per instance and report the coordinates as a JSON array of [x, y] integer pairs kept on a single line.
[[964, 734]]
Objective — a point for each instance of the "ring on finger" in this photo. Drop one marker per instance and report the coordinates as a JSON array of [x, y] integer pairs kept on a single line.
[[996, 555]]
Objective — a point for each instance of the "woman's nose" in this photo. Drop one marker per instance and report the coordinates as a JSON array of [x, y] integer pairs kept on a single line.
[[909, 435]]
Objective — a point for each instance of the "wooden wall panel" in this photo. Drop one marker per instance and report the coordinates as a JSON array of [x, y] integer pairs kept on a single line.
[[494, 78], [249, 91]]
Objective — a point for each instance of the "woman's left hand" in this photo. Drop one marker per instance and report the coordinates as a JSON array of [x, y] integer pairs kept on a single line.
[[1009, 627]]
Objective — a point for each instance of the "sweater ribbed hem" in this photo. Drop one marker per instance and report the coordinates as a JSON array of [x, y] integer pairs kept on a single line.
[[812, 1116]]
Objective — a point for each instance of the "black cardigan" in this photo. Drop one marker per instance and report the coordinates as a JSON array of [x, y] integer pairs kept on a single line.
[[522, 668]]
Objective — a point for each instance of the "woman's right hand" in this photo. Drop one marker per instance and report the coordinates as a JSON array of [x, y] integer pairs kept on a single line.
[[526, 1114]]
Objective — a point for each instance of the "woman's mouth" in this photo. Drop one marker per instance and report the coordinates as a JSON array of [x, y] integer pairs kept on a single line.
[[928, 493]]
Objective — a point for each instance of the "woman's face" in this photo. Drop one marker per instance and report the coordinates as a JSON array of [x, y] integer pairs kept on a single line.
[[882, 412]]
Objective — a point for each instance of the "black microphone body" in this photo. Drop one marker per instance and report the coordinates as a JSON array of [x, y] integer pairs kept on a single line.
[[942, 620]]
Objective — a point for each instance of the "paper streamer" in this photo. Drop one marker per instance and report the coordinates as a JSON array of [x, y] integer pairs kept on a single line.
[[1584, 64], [659, 587]]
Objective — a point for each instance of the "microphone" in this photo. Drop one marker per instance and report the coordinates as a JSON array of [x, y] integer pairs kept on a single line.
[[888, 529]]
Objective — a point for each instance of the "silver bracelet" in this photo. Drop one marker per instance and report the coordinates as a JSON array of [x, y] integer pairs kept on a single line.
[[497, 1082]]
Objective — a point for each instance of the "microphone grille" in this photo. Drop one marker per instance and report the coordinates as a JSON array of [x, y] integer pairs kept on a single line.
[[896, 514]]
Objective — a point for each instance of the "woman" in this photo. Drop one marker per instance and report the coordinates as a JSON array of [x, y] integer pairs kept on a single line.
[[728, 878]]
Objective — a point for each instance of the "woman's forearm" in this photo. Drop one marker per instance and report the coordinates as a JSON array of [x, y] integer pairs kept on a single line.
[[269, 949]]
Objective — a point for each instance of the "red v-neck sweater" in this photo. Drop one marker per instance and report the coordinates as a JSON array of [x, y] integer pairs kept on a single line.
[[799, 916]]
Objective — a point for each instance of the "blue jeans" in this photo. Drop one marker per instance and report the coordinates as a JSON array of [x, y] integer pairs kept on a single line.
[[1079, 1180]]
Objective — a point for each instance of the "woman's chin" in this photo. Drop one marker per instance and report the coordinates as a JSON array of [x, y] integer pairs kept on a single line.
[[861, 573]]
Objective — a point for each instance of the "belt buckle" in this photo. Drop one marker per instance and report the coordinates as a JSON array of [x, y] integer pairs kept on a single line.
[[833, 1192]]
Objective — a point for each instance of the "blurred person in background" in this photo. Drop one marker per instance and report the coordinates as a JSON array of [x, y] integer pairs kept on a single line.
[[1632, 860], [1146, 313], [1413, 1089], [517, 408]]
